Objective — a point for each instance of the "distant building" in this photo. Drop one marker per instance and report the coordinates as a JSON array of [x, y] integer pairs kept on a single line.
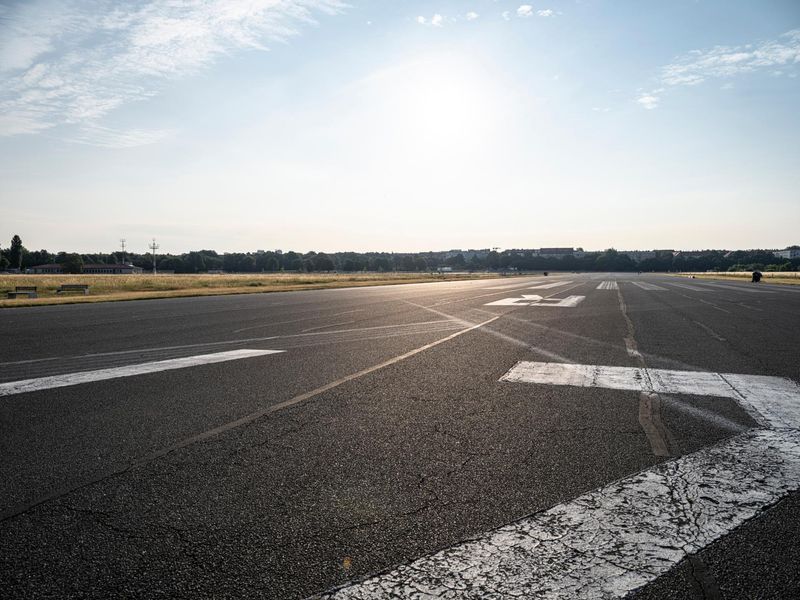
[[90, 269], [117, 269], [49, 269], [789, 253], [559, 252]]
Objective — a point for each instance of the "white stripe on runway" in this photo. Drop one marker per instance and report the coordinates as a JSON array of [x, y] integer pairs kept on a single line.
[[772, 401], [650, 287], [543, 286], [609, 542], [547, 286], [616, 539], [736, 287], [694, 288], [607, 285], [57, 381]]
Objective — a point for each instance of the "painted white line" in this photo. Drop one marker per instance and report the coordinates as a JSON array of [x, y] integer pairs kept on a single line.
[[508, 286], [534, 300], [771, 401], [736, 287], [228, 342], [650, 287], [607, 285], [694, 288], [547, 286], [57, 381], [611, 541]]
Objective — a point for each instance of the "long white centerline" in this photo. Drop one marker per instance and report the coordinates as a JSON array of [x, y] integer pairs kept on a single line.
[[220, 343], [210, 433], [69, 379]]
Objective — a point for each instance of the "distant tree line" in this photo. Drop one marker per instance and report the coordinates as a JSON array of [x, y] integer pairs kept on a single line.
[[16, 256]]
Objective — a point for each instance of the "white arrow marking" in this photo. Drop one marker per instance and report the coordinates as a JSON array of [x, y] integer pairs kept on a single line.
[[57, 381], [534, 300]]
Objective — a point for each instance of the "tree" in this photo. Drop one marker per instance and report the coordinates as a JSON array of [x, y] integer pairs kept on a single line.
[[71, 263], [195, 262], [3, 263], [15, 252], [323, 262]]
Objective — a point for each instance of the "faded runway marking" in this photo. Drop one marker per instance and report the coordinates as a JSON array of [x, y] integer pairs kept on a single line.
[[607, 285], [69, 379], [650, 287], [618, 538], [759, 395], [611, 541]]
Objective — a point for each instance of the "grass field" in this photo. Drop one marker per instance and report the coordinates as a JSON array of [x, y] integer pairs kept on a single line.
[[790, 278], [109, 288]]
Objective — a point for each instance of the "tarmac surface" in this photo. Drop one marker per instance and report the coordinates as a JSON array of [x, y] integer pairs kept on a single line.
[[381, 432]]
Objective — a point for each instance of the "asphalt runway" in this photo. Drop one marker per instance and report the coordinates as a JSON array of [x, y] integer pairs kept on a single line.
[[577, 435]]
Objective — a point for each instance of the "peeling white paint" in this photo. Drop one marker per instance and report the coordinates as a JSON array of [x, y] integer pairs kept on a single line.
[[773, 401], [611, 541], [534, 300], [616, 539], [68, 379]]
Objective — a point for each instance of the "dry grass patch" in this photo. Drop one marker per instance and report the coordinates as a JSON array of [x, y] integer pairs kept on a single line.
[[784, 277], [108, 288]]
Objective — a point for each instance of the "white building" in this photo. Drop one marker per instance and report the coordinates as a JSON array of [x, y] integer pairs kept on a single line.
[[789, 253]]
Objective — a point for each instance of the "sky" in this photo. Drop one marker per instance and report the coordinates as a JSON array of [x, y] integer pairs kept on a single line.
[[401, 126]]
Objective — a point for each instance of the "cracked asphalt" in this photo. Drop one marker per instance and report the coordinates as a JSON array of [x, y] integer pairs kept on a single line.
[[380, 435]]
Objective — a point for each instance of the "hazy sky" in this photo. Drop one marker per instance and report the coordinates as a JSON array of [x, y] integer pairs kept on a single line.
[[399, 125]]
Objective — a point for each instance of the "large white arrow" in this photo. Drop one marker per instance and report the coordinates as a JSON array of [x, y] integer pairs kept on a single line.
[[534, 300]]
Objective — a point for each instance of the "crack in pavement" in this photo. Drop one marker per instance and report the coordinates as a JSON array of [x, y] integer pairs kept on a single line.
[[662, 441]]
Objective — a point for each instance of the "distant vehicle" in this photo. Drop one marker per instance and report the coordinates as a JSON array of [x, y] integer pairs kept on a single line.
[[545, 273]]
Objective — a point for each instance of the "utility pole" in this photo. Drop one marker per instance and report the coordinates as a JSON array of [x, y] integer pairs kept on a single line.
[[124, 256], [153, 246]]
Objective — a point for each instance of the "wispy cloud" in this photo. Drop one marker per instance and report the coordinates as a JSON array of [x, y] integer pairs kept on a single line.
[[68, 63], [525, 10], [436, 20], [726, 62], [648, 101], [472, 15], [547, 12], [730, 61]]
